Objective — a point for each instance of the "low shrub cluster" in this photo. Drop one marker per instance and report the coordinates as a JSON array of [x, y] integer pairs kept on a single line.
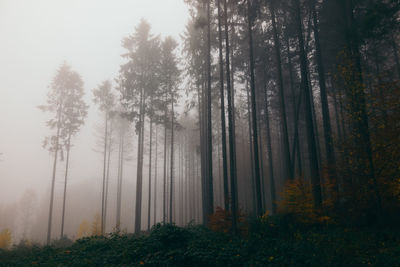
[[271, 241]]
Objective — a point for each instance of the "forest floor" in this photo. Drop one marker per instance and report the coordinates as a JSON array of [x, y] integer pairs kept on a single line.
[[260, 244]]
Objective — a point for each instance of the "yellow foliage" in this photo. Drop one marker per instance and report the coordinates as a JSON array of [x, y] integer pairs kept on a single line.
[[84, 229], [5, 239], [297, 199], [96, 225], [221, 221]]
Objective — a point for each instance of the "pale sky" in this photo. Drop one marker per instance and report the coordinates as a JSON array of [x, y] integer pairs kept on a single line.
[[36, 36]]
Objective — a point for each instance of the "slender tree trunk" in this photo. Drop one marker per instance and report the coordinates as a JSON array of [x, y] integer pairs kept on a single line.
[[223, 123], [209, 182], [150, 160], [138, 210], [337, 119], [270, 155], [296, 108], [253, 184], [259, 211], [181, 185], [203, 154], [296, 145], [171, 197], [313, 161], [108, 174], [260, 141], [104, 173], [155, 178], [165, 170], [218, 194], [231, 125], [54, 174], [192, 192], [282, 107], [65, 185], [330, 153], [187, 178], [120, 175]]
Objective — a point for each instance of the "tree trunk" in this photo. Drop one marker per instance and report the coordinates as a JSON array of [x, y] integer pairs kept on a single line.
[[171, 197], [54, 174], [282, 107], [104, 172], [296, 108], [120, 175], [270, 155], [155, 178], [231, 126], [65, 185], [330, 153], [223, 123], [259, 211], [249, 121], [108, 174], [312, 150], [139, 173], [209, 182], [165, 170], [150, 159]]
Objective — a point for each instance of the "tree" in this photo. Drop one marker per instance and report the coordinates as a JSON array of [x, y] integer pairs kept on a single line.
[[169, 80], [138, 83], [74, 113], [257, 178], [311, 141], [122, 125], [330, 153], [282, 106], [66, 88], [84, 229], [105, 99], [231, 124], [222, 98], [209, 181]]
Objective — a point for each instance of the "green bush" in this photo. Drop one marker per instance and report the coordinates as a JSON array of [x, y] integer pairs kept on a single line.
[[271, 242]]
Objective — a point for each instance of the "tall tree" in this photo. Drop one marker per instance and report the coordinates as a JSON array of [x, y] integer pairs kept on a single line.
[[64, 96], [311, 141], [209, 182], [75, 111], [222, 98], [139, 83], [282, 106], [330, 153], [169, 81], [231, 124], [105, 99], [250, 19]]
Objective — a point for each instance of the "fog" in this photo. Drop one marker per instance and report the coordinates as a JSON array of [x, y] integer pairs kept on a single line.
[[36, 38]]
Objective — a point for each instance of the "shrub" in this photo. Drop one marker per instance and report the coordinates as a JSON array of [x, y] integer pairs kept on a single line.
[[5, 239]]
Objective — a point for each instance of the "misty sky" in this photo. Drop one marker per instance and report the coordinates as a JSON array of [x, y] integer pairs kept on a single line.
[[35, 38]]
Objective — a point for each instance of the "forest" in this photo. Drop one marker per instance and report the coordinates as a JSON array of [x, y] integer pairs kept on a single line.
[[268, 133]]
